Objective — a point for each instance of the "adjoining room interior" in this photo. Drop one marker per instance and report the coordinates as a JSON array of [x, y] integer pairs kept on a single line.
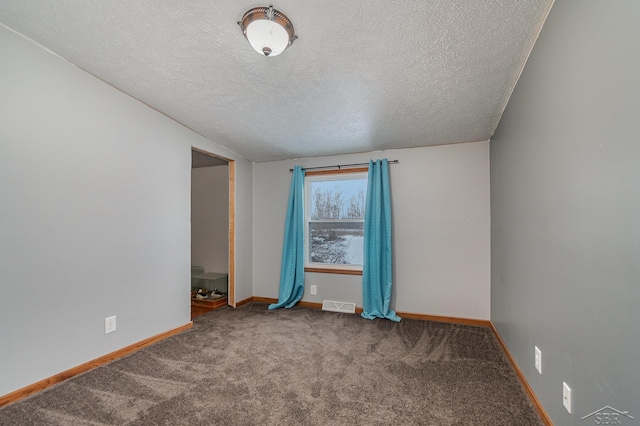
[[515, 199], [210, 246]]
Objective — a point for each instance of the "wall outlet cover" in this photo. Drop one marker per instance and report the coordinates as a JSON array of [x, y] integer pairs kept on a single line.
[[109, 324], [566, 397], [538, 359]]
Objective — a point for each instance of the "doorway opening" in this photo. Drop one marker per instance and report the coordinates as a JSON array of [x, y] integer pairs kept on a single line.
[[212, 232]]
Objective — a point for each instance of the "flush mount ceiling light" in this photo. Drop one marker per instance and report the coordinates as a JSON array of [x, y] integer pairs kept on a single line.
[[268, 30]]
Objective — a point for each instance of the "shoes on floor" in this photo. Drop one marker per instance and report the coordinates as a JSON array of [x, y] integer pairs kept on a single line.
[[202, 294]]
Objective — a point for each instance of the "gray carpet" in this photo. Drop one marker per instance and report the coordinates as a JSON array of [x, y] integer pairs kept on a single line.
[[251, 366]]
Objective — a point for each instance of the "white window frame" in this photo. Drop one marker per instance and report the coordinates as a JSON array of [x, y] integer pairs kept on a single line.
[[324, 176]]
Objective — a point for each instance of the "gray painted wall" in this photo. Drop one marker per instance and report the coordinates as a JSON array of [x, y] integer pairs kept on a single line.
[[441, 217], [565, 200], [95, 216], [210, 218]]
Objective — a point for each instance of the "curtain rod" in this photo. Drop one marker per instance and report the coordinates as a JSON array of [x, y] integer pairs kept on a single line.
[[340, 166]]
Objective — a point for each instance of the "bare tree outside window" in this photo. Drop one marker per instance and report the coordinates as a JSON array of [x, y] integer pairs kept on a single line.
[[336, 225]]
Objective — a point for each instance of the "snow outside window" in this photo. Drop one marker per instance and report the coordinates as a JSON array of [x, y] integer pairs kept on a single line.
[[334, 220]]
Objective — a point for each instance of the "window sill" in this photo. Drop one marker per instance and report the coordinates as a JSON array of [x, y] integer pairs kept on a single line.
[[334, 271]]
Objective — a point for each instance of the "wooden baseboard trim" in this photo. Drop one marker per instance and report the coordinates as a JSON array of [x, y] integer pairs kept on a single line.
[[453, 320], [244, 302], [303, 304], [312, 305], [61, 377], [465, 321], [263, 299], [532, 396]]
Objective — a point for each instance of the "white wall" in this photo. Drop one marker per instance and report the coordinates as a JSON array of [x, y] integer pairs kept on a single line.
[[440, 199], [95, 208], [565, 187], [210, 218], [243, 231]]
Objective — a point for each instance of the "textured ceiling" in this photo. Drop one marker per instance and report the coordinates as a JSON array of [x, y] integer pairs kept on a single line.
[[363, 75]]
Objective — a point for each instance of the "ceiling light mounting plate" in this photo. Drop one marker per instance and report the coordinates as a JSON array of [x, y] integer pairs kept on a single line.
[[268, 30]]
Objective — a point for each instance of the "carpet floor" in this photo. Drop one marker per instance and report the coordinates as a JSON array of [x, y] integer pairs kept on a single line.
[[251, 366]]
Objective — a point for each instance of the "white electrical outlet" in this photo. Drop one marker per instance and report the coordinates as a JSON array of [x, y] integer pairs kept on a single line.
[[538, 359], [566, 397], [109, 324], [314, 290]]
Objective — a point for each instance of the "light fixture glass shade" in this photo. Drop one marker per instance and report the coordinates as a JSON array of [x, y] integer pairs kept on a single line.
[[268, 30]]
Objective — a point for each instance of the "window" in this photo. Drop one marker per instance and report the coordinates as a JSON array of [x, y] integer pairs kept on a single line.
[[334, 220]]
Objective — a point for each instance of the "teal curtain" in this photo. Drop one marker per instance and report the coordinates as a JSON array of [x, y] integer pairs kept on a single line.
[[377, 268], [292, 268]]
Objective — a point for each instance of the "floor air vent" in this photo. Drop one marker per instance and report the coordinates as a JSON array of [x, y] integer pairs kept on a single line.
[[345, 307]]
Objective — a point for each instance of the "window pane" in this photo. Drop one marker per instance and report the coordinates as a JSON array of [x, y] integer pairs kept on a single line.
[[336, 242], [338, 199]]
